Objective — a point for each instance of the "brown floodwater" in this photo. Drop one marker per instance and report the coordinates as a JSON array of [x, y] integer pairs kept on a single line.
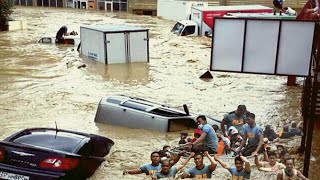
[[37, 88]]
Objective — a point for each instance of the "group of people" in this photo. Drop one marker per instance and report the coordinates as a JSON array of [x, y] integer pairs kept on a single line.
[[240, 136]]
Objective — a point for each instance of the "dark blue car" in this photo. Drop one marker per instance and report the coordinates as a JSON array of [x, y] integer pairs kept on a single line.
[[45, 153]]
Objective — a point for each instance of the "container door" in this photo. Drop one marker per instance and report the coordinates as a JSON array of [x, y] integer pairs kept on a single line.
[[138, 46], [116, 48]]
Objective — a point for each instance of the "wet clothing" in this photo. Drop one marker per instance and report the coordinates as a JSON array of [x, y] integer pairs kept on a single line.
[[172, 173], [278, 3], [233, 120], [253, 134], [247, 151], [61, 32], [149, 169], [253, 139], [211, 140], [270, 134], [242, 175], [203, 173], [294, 131], [287, 177], [274, 168]]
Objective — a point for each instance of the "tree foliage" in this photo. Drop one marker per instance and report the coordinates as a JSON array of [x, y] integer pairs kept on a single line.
[[5, 12]]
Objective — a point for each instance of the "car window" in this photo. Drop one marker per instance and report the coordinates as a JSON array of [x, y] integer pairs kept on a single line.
[[114, 100], [188, 30], [62, 141], [136, 105], [167, 112]]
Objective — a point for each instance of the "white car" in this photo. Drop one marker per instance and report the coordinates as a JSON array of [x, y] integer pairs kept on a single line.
[[142, 114]]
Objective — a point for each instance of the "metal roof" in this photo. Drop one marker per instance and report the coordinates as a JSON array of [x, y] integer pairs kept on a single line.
[[229, 8], [114, 28]]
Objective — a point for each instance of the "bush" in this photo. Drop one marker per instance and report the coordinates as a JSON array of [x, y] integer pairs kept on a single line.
[[5, 12]]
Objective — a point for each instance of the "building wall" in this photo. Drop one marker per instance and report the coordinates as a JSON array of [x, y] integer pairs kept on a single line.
[[149, 7]]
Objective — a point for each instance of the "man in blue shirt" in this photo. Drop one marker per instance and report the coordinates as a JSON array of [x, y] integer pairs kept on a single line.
[[168, 171], [148, 169], [235, 118], [237, 171], [200, 171], [254, 134], [208, 138]]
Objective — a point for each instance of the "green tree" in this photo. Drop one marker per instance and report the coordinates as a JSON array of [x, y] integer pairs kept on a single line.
[[5, 12]]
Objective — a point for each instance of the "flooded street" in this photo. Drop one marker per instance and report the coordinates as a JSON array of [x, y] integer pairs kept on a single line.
[[37, 88]]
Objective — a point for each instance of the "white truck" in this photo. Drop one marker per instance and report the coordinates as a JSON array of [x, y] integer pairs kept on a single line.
[[177, 9], [202, 18]]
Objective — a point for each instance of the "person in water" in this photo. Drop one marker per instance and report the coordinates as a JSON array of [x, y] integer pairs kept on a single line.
[[63, 31], [272, 165], [168, 171], [237, 171], [208, 140], [289, 172], [148, 169], [201, 170]]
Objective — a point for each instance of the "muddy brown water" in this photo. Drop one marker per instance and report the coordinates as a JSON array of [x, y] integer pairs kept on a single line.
[[37, 88]]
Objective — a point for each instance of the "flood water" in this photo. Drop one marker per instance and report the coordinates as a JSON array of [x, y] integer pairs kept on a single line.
[[37, 88]]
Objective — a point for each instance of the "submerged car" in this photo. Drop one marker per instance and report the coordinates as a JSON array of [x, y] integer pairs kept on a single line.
[[45, 153], [139, 113]]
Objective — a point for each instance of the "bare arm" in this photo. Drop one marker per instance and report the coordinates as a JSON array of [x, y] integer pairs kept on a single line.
[[300, 175], [133, 171], [223, 164], [247, 166], [213, 165], [256, 160], [259, 145], [177, 158], [185, 162], [279, 176], [265, 156], [243, 142], [200, 139]]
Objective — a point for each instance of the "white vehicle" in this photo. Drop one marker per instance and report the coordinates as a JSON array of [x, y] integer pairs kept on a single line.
[[139, 113], [177, 9], [202, 18]]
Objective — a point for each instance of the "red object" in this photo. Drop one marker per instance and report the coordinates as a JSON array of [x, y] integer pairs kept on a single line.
[[1, 154], [198, 131], [210, 15], [60, 163]]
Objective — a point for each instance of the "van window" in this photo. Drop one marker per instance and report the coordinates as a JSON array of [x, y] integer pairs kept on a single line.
[[166, 112], [137, 106], [177, 28], [188, 30]]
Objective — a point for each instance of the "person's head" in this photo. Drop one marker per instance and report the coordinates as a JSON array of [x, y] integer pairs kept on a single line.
[[166, 148], [215, 127], [294, 125], [272, 158], [155, 157], [284, 154], [251, 119], [164, 155], [230, 129], [268, 128], [241, 110], [289, 162], [183, 135], [238, 163], [198, 159], [201, 121], [285, 129], [165, 167]]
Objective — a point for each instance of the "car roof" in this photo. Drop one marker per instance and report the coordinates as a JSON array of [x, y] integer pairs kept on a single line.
[[66, 141]]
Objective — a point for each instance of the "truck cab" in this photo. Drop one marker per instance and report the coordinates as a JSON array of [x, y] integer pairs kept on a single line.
[[186, 28]]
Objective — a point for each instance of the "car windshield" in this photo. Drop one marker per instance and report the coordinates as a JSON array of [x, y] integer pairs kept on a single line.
[[63, 141], [177, 29]]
